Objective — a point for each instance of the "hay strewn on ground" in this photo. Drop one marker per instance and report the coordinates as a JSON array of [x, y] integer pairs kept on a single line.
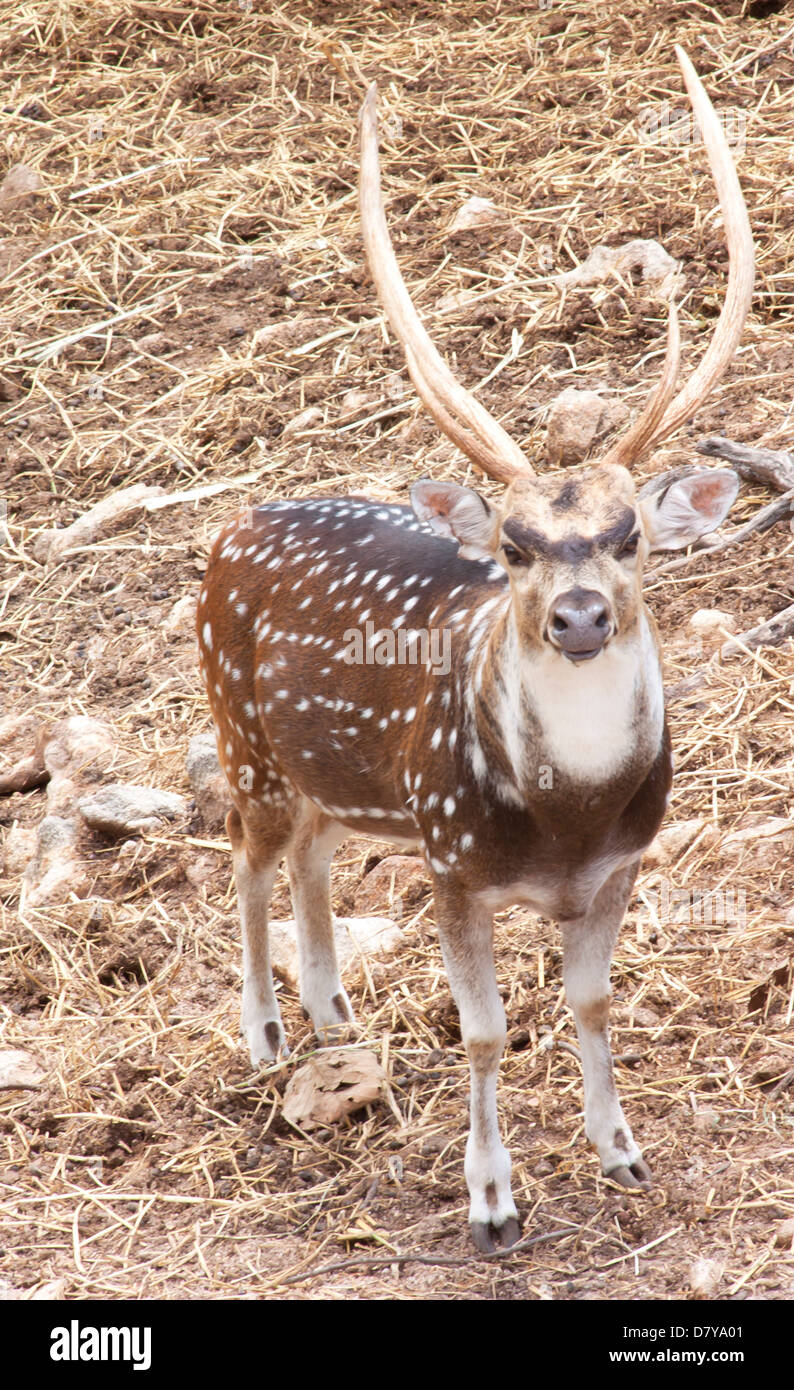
[[185, 284]]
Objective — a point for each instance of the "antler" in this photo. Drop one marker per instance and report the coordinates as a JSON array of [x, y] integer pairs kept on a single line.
[[458, 414], [661, 417]]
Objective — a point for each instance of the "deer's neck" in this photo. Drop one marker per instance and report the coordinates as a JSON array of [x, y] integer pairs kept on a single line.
[[535, 717]]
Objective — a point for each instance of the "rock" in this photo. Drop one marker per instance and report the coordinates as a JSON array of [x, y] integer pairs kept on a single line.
[[55, 873], [769, 840], [53, 1289], [306, 420], [355, 402], [155, 343], [208, 784], [75, 752], [199, 871], [18, 849], [126, 809], [14, 727], [181, 621], [397, 884], [19, 1071], [706, 1120], [393, 386], [705, 1276], [712, 622], [577, 420], [475, 213], [74, 743], [654, 264], [18, 184], [671, 842], [784, 1235], [354, 937]]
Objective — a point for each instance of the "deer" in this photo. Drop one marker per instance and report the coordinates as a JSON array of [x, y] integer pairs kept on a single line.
[[533, 766]]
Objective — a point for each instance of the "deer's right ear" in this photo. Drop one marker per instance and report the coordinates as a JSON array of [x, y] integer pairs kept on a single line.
[[459, 513]]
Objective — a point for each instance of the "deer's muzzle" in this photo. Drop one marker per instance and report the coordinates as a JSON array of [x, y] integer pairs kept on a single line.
[[580, 623]]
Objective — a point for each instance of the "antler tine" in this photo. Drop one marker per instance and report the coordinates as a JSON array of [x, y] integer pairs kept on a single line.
[[738, 296], [456, 411]]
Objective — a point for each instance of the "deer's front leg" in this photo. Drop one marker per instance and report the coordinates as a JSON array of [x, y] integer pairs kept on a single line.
[[467, 945], [588, 943]]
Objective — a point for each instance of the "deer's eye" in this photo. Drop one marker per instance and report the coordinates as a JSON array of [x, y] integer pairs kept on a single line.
[[513, 556], [629, 547]]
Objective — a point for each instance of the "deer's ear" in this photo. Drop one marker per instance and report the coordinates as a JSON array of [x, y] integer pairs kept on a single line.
[[459, 513], [688, 508]]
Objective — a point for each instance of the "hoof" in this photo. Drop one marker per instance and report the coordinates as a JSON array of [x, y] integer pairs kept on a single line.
[[332, 1019], [336, 1034], [266, 1044], [487, 1236], [636, 1175]]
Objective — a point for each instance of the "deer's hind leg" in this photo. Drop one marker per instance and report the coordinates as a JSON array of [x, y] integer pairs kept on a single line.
[[309, 858]]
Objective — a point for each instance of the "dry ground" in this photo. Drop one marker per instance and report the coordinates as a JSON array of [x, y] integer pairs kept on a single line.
[[198, 171]]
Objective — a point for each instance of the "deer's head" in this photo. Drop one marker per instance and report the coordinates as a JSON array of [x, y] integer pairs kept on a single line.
[[572, 544]]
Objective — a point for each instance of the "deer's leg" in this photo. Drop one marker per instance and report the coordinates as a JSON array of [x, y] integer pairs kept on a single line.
[[258, 844], [467, 944], [309, 861], [588, 943]]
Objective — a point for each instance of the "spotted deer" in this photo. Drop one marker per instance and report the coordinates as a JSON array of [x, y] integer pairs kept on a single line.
[[532, 765]]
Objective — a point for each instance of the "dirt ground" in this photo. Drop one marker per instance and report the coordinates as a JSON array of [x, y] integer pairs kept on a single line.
[[185, 282]]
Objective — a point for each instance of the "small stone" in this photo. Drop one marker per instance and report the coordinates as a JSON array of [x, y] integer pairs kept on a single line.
[[54, 874], [712, 622], [19, 1070], [355, 402], [671, 842], [207, 782], [475, 213], [18, 850], [18, 184], [200, 871], [606, 262], [74, 743], [398, 883], [706, 1120], [705, 1276], [576, 421], [181, 621], [127, 809], [354, 937], [306, 420]]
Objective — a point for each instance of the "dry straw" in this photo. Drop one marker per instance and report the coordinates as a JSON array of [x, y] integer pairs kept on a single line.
[[187, 283]]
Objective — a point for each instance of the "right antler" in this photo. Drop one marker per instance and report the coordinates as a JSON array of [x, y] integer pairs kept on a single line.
[[460, 415]]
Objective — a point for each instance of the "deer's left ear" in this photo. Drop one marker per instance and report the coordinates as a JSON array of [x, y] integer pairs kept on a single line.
[[688, 508]]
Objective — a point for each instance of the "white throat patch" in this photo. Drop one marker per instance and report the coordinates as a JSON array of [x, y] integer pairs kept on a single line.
[[588, 712]]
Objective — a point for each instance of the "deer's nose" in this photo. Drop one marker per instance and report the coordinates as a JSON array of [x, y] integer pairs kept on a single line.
[[580, 623]]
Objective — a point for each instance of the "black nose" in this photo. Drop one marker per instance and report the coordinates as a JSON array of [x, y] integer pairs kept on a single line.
[[580, 623]]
